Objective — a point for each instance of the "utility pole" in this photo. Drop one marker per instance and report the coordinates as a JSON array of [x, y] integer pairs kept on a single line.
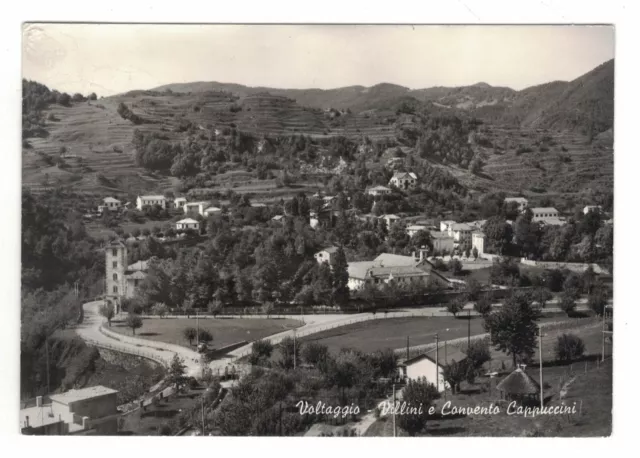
[[437, 366], [468, 328], [445, 352], [197, 330], [46, 348], [604, 331], [202, 399], [294, 349], [407, 347], [540, 358], [394, 410]]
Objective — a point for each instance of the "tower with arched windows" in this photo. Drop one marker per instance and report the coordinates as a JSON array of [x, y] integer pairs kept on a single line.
[[115, 282]]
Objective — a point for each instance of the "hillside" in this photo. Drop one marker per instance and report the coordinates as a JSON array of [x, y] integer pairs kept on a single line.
[[585, 103], [535, 140]]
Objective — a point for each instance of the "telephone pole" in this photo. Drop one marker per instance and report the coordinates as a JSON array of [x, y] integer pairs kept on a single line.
[[197, 330], [202, 415], [294, 349], [437, 366], [468, 328], [604, 331], [394, 410], [540, 358], [407, 347], [46, 348]]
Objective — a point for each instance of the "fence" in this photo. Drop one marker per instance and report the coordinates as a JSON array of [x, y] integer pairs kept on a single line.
[[572, 266], [125, 349]]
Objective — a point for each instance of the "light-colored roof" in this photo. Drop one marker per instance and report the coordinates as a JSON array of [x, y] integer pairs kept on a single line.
[[180, 199], [440, 235], [363, 269], [448, 221], [416, 227], [403, 175], [137, 275], [390, 217], [152, 197], [139, 265], [515, 199], [277, 218], [110, 199], [187, 221], [379, 188], [544, 210], [479, 234], [258, 205], [461, 227], [452, 355], [202, 202], [331, 249], [212, 209], [82, 394], [389, 259], [42, 416]]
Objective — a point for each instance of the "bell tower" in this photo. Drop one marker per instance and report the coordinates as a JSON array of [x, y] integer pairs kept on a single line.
[[116, 265]]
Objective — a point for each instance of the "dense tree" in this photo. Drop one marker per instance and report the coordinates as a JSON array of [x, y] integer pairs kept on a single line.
[[568, 302], [134, 322], [498, 233], [315, 353], [569, 347], [340, 276], [108, 311], [176, 372], [513, 328], [599, 298], [454, 373], [456, 305], [483, 304], [189, 333], [418, 395]]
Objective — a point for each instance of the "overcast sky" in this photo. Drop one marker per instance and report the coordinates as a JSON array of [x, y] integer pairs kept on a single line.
[[109, 59]]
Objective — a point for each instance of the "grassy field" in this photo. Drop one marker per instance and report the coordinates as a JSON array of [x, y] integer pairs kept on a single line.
[[375, 335], [225, 331]]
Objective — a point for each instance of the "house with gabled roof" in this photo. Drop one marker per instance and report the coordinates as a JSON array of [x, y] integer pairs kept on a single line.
[[404, 180]]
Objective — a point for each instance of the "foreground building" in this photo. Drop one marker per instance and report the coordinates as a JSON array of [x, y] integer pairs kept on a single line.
[[379, 191], [75, 411], [426, 366], [387, 268]]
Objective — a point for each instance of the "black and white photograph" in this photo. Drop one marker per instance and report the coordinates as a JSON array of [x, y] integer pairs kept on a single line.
[[320, 230]]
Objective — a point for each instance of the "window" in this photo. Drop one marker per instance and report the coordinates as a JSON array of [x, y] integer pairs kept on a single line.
[[135, 282], [115, 290], [114, 264], [115, 277], [114, 252]]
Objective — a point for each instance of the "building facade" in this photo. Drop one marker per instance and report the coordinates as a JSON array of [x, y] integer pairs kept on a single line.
[[121, 278], [187, 223], [477, 242], [522, 203], [379, 191], [150, 201], [404, 180]]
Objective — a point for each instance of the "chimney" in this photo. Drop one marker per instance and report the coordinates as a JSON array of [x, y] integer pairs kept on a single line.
[[39, 401]]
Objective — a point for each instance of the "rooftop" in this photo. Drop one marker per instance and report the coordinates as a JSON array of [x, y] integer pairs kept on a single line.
[[187, 221], [180, 199], [461, 227], [515, 199], [139, 266], [41, 416], [544, 210], [440, 235], [157, 197], [452, 355], [403, 175], [110, 199], [82, 394], [519, 382]]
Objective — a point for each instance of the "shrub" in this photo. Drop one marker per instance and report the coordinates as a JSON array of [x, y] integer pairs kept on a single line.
[[569, 347]]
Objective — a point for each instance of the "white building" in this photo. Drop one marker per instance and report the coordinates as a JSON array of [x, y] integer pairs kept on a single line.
[[390, 219], [212, 211], [92, 408], [442, 242], [187, 223], [547, 215], [477, 242], [109, 203], [388, 268], [179, 202], [425, 365], [414, 229], [404, 180], [150, 201], [195, 207], [461, 233], [379, 191], [521, 201], [446, 225], [326, 255], [592, 208]]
